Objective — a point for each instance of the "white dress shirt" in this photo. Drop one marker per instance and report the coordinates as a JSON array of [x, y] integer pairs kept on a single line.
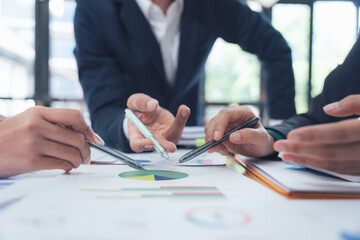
[[166, 29]]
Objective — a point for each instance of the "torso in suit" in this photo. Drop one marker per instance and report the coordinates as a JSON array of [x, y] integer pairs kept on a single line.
[[118, 55], [340, 83]]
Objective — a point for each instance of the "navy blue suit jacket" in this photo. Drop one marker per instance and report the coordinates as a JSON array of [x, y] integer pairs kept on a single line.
[[118, 55], [343, 81]]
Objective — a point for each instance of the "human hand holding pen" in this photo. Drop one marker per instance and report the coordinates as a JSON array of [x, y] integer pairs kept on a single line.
[[166, 128], [253, 142], [44, 138]]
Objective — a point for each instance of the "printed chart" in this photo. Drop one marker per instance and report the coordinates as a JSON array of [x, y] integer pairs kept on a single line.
[[164, 192], [153, 175], [217, 217]]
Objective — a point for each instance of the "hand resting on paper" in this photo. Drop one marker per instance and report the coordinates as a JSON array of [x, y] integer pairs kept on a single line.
[[166, 128], [334, 146], [44, 138]]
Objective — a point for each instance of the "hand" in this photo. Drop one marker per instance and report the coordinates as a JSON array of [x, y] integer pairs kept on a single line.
[[253, 142], [333, 146], [166, 128], [44, 138]]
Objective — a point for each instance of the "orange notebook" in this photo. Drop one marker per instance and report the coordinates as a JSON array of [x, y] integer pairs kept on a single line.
[[296, 182]]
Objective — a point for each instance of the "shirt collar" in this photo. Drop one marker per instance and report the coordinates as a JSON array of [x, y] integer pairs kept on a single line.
[[145, 5]]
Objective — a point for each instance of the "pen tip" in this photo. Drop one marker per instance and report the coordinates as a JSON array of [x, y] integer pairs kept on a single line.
[[165, 155]]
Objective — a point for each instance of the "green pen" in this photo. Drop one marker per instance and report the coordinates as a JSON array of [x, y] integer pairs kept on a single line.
[[136, 121]]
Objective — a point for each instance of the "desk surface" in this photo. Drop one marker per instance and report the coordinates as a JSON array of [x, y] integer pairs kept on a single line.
[[213, 202]]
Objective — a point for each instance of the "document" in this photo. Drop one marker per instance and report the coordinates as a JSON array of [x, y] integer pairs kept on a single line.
[[297, 180], [168, 201], [116, 202], [153, 158]]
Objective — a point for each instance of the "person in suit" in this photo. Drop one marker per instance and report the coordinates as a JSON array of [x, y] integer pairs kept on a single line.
[[159, 48], [44, 138], [326, 137]]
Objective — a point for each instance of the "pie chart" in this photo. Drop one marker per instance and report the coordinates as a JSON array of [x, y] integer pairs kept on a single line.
[[153, 175]]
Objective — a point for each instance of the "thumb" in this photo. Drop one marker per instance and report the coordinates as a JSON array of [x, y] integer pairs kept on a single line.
[[140, 102], [346, 107]]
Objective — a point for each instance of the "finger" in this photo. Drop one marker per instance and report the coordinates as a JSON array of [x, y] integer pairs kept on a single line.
[[341, 132], [68, 137], [322, 151], [218, 147], [173, 134], [339, 166], [141, 144], [222, 150], [71, 119], [140, 102], [60, 151], [346, 107], [47, 163], [167, 145], [227, 119], [252, 136], [138, 143]]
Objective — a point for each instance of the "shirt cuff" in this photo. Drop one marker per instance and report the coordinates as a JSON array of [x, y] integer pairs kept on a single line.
[[276, 135], [125, 128]]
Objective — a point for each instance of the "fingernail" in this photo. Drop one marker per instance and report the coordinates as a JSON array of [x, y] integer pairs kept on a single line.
[[280, 148], [236, 137], [151, 104], [216, 134], [98, 139], [332, 107], [184, 113], [148, 147]]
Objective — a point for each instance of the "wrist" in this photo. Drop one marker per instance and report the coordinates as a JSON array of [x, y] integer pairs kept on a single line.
[[274, 136]]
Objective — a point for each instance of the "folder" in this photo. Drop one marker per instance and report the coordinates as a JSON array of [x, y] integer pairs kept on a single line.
[[296, 182]]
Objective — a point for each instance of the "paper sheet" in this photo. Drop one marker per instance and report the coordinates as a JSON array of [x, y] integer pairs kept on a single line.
[[346, 177], [152, 158], [215, 203]]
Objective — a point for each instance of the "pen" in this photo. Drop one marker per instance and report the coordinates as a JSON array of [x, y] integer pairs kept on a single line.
[[125, 159], [134, 119], [196, 152]]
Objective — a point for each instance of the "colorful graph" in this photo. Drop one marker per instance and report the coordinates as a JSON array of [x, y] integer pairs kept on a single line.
[[217, 217], [165, 192], [142, 161], [153, 175]]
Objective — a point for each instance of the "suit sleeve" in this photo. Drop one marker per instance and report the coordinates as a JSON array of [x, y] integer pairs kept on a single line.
[[102, 81], [253, 33], [341, 82]]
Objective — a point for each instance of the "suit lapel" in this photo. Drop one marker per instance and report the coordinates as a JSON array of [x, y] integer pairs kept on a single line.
[[140, 30]]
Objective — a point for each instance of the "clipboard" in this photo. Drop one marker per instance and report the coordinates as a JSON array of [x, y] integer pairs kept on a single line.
[[297, 183]]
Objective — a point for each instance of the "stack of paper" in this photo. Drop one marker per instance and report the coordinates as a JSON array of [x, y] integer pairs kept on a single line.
[[295, 181], [192, 136]]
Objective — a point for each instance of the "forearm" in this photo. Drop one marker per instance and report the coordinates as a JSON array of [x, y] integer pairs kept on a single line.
[[292, 123]]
